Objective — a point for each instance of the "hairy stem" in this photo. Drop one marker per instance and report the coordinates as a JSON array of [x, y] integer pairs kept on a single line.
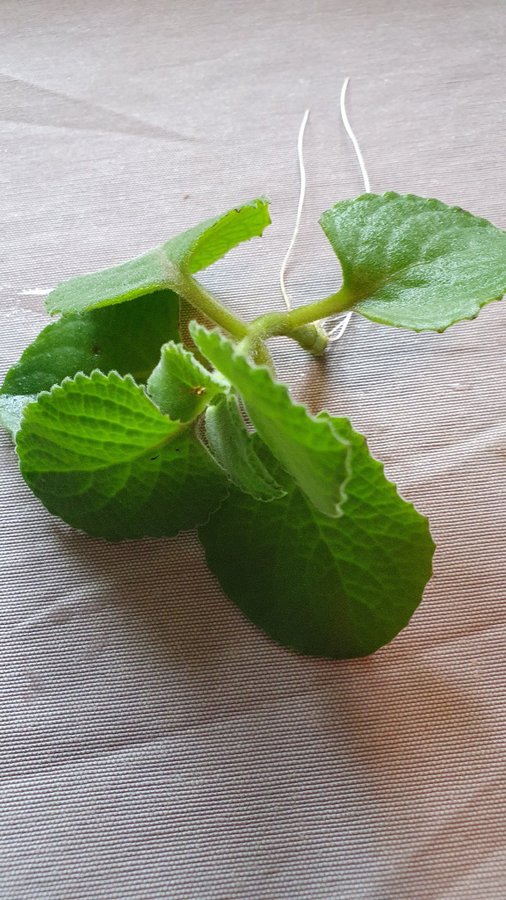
[[321, 309], [300, 324], [201, 299], [311, 337]]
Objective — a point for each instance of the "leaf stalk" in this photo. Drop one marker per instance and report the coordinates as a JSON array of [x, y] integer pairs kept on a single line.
[[300, 324]]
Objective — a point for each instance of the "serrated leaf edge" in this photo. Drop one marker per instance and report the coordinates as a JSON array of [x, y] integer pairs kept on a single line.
[[261, 202], [381, 467], [431, 202], [279, 490], [195, 327], [97, 375]]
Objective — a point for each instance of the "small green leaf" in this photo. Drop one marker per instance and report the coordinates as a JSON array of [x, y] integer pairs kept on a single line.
[[206, 243], [161, 268], [233, 448], [180, 386], [307, 447], [416, 263], [11, 411], [327, 587], [100, 455], [124, 338]]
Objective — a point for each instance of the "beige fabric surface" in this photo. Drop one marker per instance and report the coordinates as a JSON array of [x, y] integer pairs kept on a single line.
[[154, 743]]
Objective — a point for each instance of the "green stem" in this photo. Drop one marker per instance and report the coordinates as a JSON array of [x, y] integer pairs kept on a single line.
[[321, 309], [201, 299], [195, 294], [311, 337], [299, 324]]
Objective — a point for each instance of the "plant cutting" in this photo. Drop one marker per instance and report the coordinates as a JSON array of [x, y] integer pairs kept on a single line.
[[129, 424]]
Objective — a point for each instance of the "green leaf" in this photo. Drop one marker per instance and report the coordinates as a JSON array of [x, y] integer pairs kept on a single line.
[[11, 411], [206, 243], [180, 386], [163, 267], [100, 455], [327, 587], [124, 338], [233, 448], [307, 447], [416, 263]]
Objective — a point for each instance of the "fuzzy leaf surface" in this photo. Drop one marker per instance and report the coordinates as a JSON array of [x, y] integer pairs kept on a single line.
[[315, 454], [126, 339], [161, 268], [416, 263], [233, 447], [180, 386], [100, 455], [327, 587]]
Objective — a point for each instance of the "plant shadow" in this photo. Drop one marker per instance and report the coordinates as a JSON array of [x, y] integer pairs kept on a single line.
[[396, 741]]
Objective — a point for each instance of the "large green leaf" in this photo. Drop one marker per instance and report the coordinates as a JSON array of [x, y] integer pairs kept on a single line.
[[100, 455], [162, 268], [124, 338], [314, 454], [232, 446], [416, 263], [327, 587], [180, 386]]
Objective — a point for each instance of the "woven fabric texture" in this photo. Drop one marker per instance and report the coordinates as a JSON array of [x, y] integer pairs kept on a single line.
[[154, 743]]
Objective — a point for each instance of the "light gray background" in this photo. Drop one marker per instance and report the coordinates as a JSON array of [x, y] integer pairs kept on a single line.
[[155, 744]]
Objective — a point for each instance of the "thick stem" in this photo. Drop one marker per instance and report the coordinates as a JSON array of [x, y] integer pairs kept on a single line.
[[195, 294], [321, 309], [201, 299], [300, 324], [313, 338]]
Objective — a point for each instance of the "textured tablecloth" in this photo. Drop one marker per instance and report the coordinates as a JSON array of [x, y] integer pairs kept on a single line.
[[154, 743]]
